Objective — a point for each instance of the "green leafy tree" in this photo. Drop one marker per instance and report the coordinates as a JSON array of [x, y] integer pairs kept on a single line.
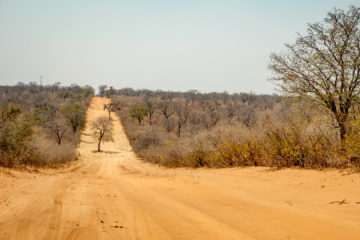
[[102, 89], [45, 113], [75, 116], [65, 94], [88, 91], [138, 112], [109, 92], [324, 65], [9, 113], [15, 136]]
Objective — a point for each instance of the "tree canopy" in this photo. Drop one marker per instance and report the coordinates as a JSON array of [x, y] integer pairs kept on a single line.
[[324, 64], [103, 129], [138, 111]]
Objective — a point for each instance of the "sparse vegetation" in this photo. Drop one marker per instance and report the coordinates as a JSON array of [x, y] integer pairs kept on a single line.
[[315, 126], [40, 124], [223, 130]]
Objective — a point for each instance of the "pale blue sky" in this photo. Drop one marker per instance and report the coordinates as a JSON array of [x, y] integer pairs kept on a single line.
[[170, 45]]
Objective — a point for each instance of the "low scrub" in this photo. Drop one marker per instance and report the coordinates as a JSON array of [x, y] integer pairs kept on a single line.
[[50, 153], [289, 135], [289, 144]]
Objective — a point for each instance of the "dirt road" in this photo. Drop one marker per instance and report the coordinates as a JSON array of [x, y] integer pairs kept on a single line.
[[112, 195]]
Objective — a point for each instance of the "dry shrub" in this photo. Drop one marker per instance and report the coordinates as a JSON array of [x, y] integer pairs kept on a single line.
[[290, 144], [287, 135], [248, 153], [352, 142], [220, 147], [196, 158], [22, 155], [151, 154], [287, 144], [149, 136], [27, 110], [49, 152]]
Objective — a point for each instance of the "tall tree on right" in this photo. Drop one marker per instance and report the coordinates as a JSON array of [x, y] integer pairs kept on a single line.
[[324, 65]]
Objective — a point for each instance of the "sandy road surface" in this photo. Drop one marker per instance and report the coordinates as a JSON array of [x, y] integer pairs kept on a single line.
[[111, 195]]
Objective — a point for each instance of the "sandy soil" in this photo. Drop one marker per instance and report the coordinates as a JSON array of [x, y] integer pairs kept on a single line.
[[112, 195]]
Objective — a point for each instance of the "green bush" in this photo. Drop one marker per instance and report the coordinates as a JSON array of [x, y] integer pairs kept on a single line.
[[15, 137], [75, 116], [138, 112]]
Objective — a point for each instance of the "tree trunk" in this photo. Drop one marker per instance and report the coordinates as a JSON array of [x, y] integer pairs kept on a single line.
[[179, 129], [99, 145], [74, 127], [59, 140], [342, 131]]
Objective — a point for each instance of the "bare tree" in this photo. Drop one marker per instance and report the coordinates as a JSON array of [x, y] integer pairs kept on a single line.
[[111, 107], [150, 108], [102, 128], [58, 128], [247, 115], [230, 110], [324, 65], [182, 113], [213, 109], [166, 108]]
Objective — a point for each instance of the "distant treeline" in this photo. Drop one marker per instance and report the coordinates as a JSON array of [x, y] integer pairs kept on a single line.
[[266, 100]]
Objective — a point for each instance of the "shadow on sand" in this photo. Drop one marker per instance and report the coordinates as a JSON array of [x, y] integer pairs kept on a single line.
[[107, 152]]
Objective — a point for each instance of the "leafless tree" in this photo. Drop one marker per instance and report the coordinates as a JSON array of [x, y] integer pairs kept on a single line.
[[103, 129], [58, 128], [247, 115], [182, 114], [151, 106], [167, 109], [111, 107], [230, 110], [324, 65], [212, 108]]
